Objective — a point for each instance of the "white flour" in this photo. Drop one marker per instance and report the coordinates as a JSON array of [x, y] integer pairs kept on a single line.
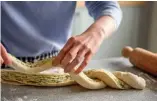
[[25, 98], [151, 82]]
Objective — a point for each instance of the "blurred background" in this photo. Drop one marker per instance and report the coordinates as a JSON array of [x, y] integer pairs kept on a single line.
[[138, 27]]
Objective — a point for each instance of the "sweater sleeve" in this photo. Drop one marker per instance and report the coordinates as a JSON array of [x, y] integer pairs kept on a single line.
[[105, 8]]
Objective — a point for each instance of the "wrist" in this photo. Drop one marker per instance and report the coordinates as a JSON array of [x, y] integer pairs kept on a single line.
[[102, 28], [97, 32]]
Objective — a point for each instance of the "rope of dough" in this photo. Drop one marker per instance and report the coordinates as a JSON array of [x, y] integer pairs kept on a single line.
[[118, 80], [91, 79]]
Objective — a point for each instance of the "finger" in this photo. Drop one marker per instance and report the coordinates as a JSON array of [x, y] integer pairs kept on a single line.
[[1, 60], [5, 55], [61, 54], [84, 63], [82, 51], [71, 54], [73, 64], [80, 56]]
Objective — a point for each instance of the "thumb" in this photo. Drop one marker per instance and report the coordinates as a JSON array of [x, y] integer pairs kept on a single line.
[[5, 55]]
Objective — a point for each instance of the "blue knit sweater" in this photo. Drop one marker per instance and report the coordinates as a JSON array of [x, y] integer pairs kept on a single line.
[[30, 29]]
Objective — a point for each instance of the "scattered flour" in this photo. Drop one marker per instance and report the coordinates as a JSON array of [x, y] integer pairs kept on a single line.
[[4, 99], [19, 99], [13, 89], [25, 97], [151, 82], [33, 100]]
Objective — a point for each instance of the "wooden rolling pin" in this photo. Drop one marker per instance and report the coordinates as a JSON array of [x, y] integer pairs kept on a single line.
[[142, 59]]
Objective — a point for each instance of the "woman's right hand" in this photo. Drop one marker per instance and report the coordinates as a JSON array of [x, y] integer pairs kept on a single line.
[[4, 58]]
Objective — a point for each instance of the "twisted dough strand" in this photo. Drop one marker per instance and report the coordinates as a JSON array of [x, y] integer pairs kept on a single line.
[[31, 76], [118, 80]]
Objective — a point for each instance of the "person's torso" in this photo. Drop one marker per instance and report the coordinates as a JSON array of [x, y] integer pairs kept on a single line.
[[34, 28]]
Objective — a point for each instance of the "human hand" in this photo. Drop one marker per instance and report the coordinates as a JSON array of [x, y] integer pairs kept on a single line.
[[79, 50], [4, 58]]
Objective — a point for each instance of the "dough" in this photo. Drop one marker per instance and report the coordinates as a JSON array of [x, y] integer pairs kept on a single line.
[[32, 74], [100, 77]]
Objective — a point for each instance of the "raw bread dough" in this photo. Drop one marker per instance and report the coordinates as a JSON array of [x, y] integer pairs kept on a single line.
[[32, 74], [118, 80]]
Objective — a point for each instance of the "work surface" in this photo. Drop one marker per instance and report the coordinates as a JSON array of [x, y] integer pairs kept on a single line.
[[78, 93]]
